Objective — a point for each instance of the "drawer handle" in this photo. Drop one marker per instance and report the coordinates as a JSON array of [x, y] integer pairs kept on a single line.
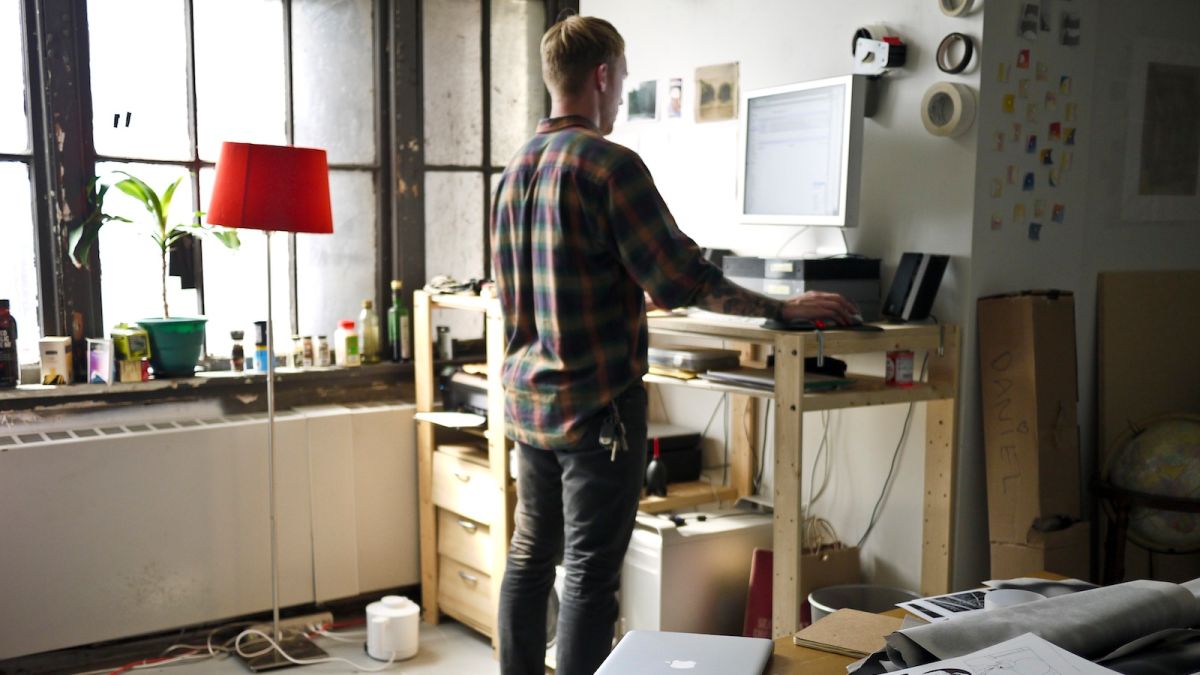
[[464, 477], [468, 526], [469, 578]]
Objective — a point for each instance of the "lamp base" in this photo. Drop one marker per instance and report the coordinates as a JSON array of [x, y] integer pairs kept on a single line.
[[297, 646]]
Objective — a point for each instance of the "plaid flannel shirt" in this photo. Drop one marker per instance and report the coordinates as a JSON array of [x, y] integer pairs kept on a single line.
[[578, 232]]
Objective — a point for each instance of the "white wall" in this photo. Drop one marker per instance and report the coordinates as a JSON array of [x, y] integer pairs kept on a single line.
[[917, 195]]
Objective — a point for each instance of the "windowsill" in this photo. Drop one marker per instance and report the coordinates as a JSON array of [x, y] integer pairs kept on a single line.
[[329, 380]]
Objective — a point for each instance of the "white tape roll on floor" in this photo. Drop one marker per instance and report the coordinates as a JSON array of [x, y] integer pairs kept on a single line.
[[948, 108], [955, 7]]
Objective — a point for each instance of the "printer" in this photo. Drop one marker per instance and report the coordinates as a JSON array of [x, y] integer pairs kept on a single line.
[[856, 278]]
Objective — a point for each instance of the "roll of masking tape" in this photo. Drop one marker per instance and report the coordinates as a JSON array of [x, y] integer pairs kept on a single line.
[[871, 32], [948, 108], [955, 7]]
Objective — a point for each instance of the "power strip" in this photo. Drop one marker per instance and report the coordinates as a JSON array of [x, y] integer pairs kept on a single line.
[[295, 624]]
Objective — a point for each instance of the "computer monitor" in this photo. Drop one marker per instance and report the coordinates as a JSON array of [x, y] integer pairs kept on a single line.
[[801, 153]]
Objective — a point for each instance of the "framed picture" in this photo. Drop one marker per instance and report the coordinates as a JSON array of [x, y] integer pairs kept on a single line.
[[1162, 145]]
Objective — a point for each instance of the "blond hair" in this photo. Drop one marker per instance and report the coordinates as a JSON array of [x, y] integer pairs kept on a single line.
[[573, 47]]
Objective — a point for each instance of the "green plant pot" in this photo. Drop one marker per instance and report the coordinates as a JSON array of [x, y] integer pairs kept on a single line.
[[175, 345]]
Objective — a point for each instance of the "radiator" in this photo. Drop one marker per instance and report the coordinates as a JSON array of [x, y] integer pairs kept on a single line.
[[114, 531]]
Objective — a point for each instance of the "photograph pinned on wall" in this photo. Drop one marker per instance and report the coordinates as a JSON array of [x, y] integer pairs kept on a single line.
[[1070, 29], [1027, 26], [1047, 156], [643, 101], [997, 188], [1023, 87], [717, 92], [1010, 103], [1055, 131], [1064, 85], [1069, 112], [1054, 179], [1023, 59], [675, 98], [1059, 214], [1031, 144], [1029, 183], [1002, 72], [1011, 174], [997, 221], [1018, 213], [1069, 136], [1031, 112], [998, 143], [1039, 208], [1064, 160], [1042, 72], [1161, 177], [1016, 132], [1044, 17], [1035, 231], [1051, 101]]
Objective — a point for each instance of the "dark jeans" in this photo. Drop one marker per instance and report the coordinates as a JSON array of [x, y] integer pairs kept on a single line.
[[581, 503]]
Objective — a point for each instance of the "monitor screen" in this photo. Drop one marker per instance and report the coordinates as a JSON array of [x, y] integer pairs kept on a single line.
[[801, 150]]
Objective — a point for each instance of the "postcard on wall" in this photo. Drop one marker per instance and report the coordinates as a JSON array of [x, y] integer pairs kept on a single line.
[[643, 101], [717, 92], [675, 98]]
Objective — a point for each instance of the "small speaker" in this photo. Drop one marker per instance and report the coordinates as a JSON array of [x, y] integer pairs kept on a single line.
[[915, 286]]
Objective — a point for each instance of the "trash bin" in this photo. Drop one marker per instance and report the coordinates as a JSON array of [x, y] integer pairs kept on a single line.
[[863, 597]]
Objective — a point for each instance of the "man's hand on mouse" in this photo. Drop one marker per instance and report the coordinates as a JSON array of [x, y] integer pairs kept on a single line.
[[819, 305]]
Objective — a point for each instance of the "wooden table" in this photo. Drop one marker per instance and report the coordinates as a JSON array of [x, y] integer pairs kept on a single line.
[[788, 659]]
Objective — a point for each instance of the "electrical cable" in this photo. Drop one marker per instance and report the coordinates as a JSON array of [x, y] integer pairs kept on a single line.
[[813, 494], [887, 482], [762, 455], [237, 645]]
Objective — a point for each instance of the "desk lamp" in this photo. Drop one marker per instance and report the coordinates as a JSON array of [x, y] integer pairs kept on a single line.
[[274, 189]]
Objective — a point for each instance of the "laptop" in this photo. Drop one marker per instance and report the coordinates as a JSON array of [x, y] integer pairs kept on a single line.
[[764, 378], [654, 653]]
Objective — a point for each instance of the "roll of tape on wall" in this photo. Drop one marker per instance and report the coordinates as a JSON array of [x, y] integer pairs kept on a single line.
[[871, 32], [964, 58], [948, 109], [955, 7]]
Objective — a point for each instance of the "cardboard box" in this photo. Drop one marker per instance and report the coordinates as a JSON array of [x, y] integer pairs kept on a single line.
[[56, 360], [818, 569], [1066, 552], [1027, 375]]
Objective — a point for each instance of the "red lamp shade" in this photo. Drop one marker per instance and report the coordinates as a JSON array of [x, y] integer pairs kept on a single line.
[[271, 187]]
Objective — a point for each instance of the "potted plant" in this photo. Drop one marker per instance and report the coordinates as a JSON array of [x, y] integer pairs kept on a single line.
[[175, 342]]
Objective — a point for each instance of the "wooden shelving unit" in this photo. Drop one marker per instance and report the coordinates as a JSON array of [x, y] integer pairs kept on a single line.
[[467, 498], [790, 349]]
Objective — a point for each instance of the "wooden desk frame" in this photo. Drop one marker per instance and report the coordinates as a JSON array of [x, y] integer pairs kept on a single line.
[[939, 392]]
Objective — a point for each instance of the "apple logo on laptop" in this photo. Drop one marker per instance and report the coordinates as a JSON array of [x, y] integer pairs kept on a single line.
[[681, 665]]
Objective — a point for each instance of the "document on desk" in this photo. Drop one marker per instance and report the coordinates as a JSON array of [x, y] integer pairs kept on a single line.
[[1025, 654]]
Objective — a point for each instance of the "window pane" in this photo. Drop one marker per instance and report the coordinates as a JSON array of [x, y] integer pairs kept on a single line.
[[130, 261], [235, 286], [139, 77], [239, 73], [14, 127], [518, 95], [453, 82], [335, 273], [454, 238], [18, 276], [333, 76]]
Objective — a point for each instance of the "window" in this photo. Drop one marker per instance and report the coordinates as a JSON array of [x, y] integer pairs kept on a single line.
[[466, 148], [264, 71], [18, 273]]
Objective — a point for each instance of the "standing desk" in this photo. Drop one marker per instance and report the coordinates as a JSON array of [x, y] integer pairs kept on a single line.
[[940, 391]]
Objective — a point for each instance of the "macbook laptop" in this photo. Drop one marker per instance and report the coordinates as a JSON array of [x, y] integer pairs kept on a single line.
[[655, 653]]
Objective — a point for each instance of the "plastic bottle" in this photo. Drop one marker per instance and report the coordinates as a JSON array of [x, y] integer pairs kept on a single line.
[[345, 344], [368, 333], [399, 342], [237, 359], [10, 365]]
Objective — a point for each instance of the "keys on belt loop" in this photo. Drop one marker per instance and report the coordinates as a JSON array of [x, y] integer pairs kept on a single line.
[[612, 432]]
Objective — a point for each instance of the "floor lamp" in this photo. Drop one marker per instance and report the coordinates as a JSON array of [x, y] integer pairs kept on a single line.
[[275, 189]]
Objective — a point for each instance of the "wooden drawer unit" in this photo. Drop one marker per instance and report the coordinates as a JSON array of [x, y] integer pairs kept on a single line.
[[466, 593], [464, 540], [464, 486]]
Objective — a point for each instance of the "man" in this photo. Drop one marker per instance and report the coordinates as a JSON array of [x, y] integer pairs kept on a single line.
[[580, 235]]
